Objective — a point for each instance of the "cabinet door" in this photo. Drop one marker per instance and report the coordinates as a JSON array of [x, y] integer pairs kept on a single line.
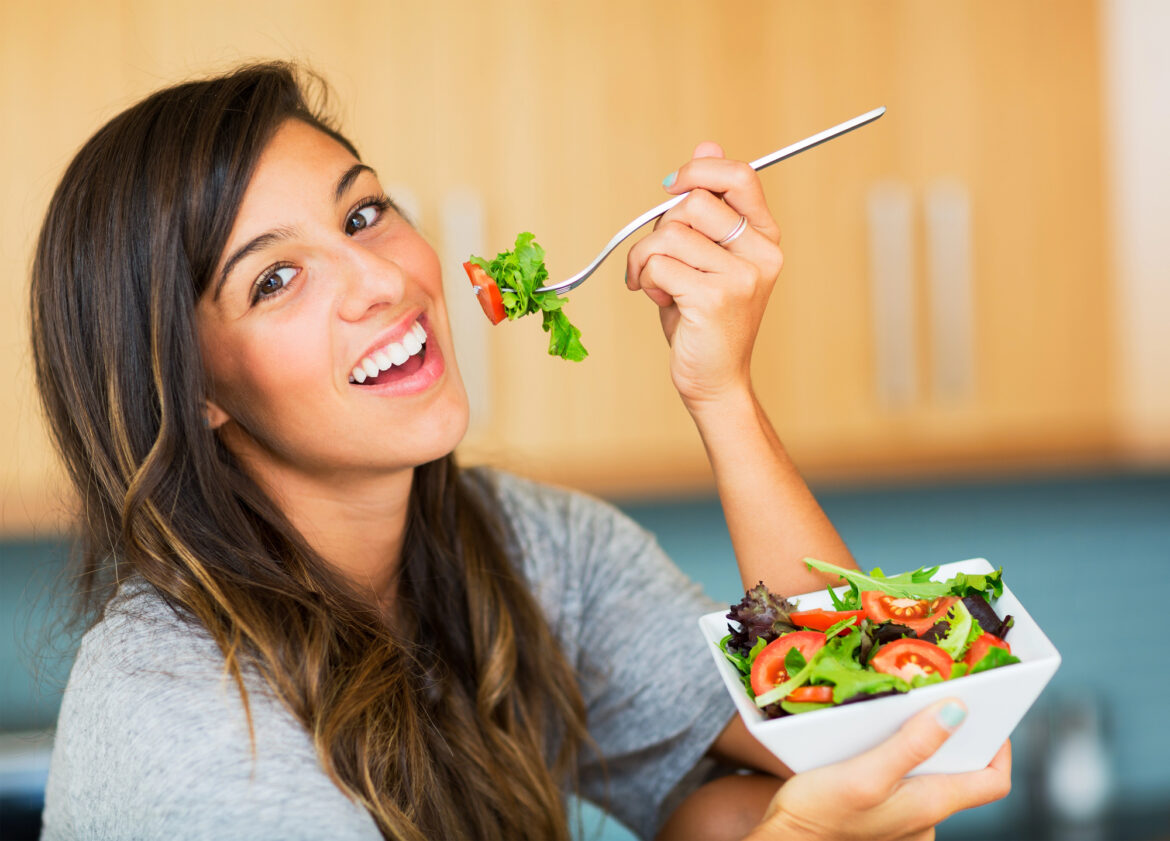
[[1000, 101]]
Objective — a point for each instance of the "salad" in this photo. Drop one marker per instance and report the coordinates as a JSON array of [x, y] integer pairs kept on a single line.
[[506, 287], [885, 635]]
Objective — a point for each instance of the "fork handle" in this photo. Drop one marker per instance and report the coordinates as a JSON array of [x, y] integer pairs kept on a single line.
[[757, 164]]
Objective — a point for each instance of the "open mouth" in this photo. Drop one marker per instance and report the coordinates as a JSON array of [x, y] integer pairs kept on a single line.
[[396, 361]]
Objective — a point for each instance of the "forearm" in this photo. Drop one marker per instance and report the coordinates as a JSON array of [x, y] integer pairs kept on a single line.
[[772, 516]]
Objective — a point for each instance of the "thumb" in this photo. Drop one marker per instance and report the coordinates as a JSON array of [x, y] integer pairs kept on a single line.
[[916, 741], [708, 149]]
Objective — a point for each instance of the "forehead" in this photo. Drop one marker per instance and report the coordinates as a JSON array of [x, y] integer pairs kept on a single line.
[[298, 159]]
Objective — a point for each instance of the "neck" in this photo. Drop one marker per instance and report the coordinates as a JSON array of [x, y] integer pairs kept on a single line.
[[357, 524]]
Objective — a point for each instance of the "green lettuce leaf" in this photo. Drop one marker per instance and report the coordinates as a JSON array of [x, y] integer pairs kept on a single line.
[[796, 707], [915, 584], [519, 273], [993, 659], [958, 637]]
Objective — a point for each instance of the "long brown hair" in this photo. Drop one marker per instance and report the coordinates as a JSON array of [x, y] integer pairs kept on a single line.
[[464, 721]]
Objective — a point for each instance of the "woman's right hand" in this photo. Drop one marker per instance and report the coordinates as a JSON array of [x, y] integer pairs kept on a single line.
[[869, 797]]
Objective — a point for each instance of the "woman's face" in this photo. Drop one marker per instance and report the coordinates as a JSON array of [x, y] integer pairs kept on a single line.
[[311, 329]]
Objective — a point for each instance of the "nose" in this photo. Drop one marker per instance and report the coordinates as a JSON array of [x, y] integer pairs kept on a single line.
[[366, 281]]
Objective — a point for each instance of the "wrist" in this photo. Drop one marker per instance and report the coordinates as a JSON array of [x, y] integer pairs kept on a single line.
[[736, 402]]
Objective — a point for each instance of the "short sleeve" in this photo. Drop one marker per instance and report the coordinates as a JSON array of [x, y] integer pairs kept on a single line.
[[628, 619], [152, 742]]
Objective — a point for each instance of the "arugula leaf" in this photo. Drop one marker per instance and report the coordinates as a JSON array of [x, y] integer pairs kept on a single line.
[[834, 629], [743, 662], [782, 690], [915, 584], [519, 273], [847, 601]]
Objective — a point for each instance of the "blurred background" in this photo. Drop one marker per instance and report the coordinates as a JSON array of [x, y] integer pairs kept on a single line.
[[967, 353]]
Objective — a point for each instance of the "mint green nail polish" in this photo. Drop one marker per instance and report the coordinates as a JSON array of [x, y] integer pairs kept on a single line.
[[951, 716], [669, 180]]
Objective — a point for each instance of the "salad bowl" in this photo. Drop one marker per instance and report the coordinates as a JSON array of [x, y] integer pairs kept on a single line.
[[996, 699]]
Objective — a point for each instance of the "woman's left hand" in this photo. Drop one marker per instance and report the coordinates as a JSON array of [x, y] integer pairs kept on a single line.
[[711, 297]]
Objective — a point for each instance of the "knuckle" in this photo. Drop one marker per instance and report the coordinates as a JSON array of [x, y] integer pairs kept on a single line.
[[772, 263], [653, 264], [868, 793], [702, 200], [743, 175], [678, 230]]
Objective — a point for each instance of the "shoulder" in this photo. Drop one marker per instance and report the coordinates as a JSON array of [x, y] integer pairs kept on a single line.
[[546, 517], [153, 741]]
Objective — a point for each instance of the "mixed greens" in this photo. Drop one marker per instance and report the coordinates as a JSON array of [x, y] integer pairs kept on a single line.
[[507, 287], [886, 635]]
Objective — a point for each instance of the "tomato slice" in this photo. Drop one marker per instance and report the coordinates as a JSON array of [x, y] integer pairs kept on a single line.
[[918, 614], [768, 668], [822, 620], [486, 291], [981, 646], [811, 695], [907, 658]]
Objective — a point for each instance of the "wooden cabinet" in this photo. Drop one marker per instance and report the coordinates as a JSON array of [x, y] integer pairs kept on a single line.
[[561, 118], [1001, 100]]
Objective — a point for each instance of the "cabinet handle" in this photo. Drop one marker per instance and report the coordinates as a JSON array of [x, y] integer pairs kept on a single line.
[[950, 273], [891, 259]]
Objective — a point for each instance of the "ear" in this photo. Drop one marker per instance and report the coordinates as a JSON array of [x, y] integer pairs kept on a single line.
[[216, 417]]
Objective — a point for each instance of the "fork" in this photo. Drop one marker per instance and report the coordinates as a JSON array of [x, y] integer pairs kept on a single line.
[[758, 164]]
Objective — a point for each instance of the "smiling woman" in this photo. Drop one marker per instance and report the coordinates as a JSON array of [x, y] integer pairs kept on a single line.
[[243, 351]]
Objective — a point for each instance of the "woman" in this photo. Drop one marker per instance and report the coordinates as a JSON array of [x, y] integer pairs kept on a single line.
[[305, 620]]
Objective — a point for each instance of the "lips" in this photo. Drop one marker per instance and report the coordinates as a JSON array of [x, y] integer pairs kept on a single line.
[[390, 355], [416, 374]]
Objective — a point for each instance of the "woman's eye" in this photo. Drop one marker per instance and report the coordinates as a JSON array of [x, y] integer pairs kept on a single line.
[[273, 282], [363, 217]]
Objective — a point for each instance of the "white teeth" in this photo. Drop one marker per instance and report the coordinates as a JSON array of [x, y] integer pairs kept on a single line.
[[398, 353], [393, 354]]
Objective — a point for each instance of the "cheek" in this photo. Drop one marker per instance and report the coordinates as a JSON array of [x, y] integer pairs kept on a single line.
[[265, 375]]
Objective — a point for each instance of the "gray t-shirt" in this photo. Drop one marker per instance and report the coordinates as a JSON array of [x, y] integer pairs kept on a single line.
[[152, 741]]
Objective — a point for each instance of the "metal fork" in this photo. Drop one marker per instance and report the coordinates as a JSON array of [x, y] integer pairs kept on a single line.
[[758, 164]]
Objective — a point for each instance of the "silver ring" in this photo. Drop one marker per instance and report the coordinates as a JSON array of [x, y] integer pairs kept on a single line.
[[739, 228]]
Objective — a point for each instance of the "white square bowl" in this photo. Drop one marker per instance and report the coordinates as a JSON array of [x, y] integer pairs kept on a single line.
[[996, 699]]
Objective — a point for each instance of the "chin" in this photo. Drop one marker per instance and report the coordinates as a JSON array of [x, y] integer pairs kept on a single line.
[[444, 428]]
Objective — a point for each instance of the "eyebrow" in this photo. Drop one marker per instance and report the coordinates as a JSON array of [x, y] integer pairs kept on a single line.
[[272, 237]]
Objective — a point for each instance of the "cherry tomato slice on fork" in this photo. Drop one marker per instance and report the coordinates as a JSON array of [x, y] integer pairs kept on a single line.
[[486, 291]]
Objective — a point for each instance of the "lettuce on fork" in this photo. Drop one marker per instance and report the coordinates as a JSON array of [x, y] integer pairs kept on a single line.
[[518, 274]]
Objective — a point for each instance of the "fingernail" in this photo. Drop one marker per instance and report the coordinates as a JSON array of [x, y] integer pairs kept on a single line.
[[669, 180], [951, 715]]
